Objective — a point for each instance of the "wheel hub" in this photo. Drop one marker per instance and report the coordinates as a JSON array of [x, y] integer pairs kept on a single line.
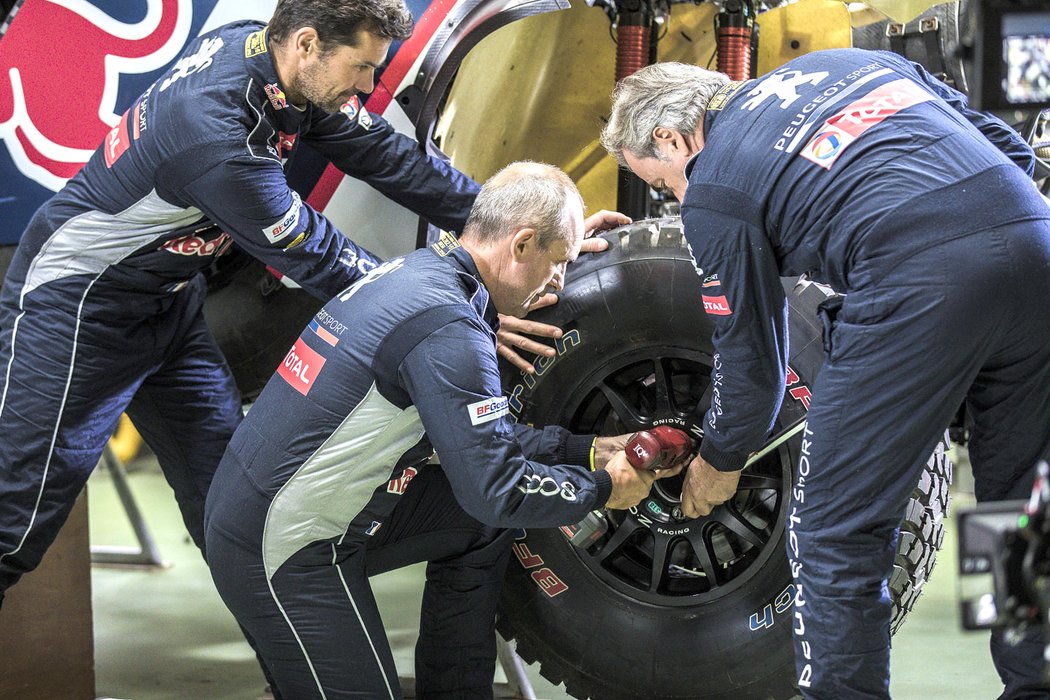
[[652, 552]]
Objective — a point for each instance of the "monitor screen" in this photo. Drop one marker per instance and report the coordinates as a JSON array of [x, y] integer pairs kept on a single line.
[[1026, 55]]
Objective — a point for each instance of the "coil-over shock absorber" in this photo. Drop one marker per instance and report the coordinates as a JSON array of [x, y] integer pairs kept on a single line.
[[733, 28]]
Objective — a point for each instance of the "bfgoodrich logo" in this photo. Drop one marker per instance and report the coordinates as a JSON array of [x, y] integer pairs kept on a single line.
[[489, 409]]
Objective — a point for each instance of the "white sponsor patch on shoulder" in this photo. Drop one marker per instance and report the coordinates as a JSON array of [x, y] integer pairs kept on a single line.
[[489, 409], [364, 119], [287, 223]]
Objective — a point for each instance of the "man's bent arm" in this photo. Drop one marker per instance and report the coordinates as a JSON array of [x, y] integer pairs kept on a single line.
[[397, 166], [553, 444], [742, 293], [252, 202], [453, 380]]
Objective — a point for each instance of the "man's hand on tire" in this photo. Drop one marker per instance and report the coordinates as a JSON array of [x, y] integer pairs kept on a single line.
[[705, 487], [510, 339], [631, 485], [598, 222]]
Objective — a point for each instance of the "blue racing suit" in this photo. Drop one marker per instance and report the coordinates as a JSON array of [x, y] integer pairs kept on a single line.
[[327, 480], [101, 308], [861, 170]]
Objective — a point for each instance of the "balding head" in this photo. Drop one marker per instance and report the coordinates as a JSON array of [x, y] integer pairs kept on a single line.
[[525, 194], [525, 227]]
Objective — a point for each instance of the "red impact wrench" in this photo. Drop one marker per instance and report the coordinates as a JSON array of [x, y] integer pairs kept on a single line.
[[662, 447]]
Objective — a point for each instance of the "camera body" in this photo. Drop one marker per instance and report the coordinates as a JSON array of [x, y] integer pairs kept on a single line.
[[1004, 564], [1011, 55], [995, 590]]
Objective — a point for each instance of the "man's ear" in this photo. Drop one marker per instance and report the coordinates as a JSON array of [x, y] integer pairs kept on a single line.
[[662, 134], [306, 41], [523, 240]]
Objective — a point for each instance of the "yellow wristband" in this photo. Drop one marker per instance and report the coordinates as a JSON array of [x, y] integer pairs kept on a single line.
[[593, 442]]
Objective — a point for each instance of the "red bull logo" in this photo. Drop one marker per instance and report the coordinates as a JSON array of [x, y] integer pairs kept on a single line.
[[398, 485], [195, 245], [60, 66], [69, 69]]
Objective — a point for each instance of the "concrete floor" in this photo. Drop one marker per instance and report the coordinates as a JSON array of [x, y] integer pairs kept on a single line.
[[164, 634]]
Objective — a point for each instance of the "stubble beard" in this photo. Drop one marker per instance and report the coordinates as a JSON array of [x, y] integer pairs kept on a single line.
[[310, 87]]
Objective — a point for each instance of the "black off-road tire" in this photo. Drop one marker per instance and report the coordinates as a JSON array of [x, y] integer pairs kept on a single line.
[[637, 352], [921, 534]]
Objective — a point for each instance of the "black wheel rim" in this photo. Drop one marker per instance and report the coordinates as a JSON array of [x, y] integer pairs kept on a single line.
[[651, 553]]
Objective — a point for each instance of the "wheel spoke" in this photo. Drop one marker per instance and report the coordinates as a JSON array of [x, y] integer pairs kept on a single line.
[[661, 546], [705, 555], [627, 528], [757, 482], [663, 392], [621, 406], [700, 407], [735, 521]]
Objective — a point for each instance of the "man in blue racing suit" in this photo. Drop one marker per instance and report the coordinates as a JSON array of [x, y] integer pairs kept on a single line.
[[861, 170], [327, 479], [101, 307]]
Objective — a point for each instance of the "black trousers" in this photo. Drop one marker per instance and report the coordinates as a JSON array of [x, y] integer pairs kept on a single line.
[[964, 320], [73, 357], [315, 622]]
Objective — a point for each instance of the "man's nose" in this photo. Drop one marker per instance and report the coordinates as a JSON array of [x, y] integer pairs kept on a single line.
[[367, 81], [558, 281]]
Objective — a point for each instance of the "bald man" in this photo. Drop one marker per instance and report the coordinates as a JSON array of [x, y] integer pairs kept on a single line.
[[327, 481]]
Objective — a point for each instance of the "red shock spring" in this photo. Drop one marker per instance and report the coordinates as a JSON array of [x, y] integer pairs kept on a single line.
[[734, 52], [632, 50]]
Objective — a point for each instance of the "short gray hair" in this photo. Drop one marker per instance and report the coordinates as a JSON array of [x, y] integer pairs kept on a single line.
[[671, 95], [524, 195]]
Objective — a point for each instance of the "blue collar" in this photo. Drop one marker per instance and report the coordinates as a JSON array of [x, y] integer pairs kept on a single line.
[[448, 248]]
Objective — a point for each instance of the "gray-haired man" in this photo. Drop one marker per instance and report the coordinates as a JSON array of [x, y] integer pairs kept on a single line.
[[865, 172]]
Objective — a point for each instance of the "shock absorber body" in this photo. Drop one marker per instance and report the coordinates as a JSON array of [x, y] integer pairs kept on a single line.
[[632, 49], [733, 27], [635, 49]]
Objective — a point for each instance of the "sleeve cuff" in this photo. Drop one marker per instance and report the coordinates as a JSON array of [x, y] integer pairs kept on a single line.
[[602, 488], [722, 461], [576, 449]]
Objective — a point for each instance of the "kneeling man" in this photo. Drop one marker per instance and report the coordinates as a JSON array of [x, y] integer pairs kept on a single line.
[[327, 481]]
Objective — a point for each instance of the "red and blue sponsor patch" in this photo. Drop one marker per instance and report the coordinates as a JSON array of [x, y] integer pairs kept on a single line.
[[715, 303], [323, 333], [846, 126]]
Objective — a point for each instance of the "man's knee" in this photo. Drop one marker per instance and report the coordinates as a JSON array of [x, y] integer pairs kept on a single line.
[[483, 563]]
